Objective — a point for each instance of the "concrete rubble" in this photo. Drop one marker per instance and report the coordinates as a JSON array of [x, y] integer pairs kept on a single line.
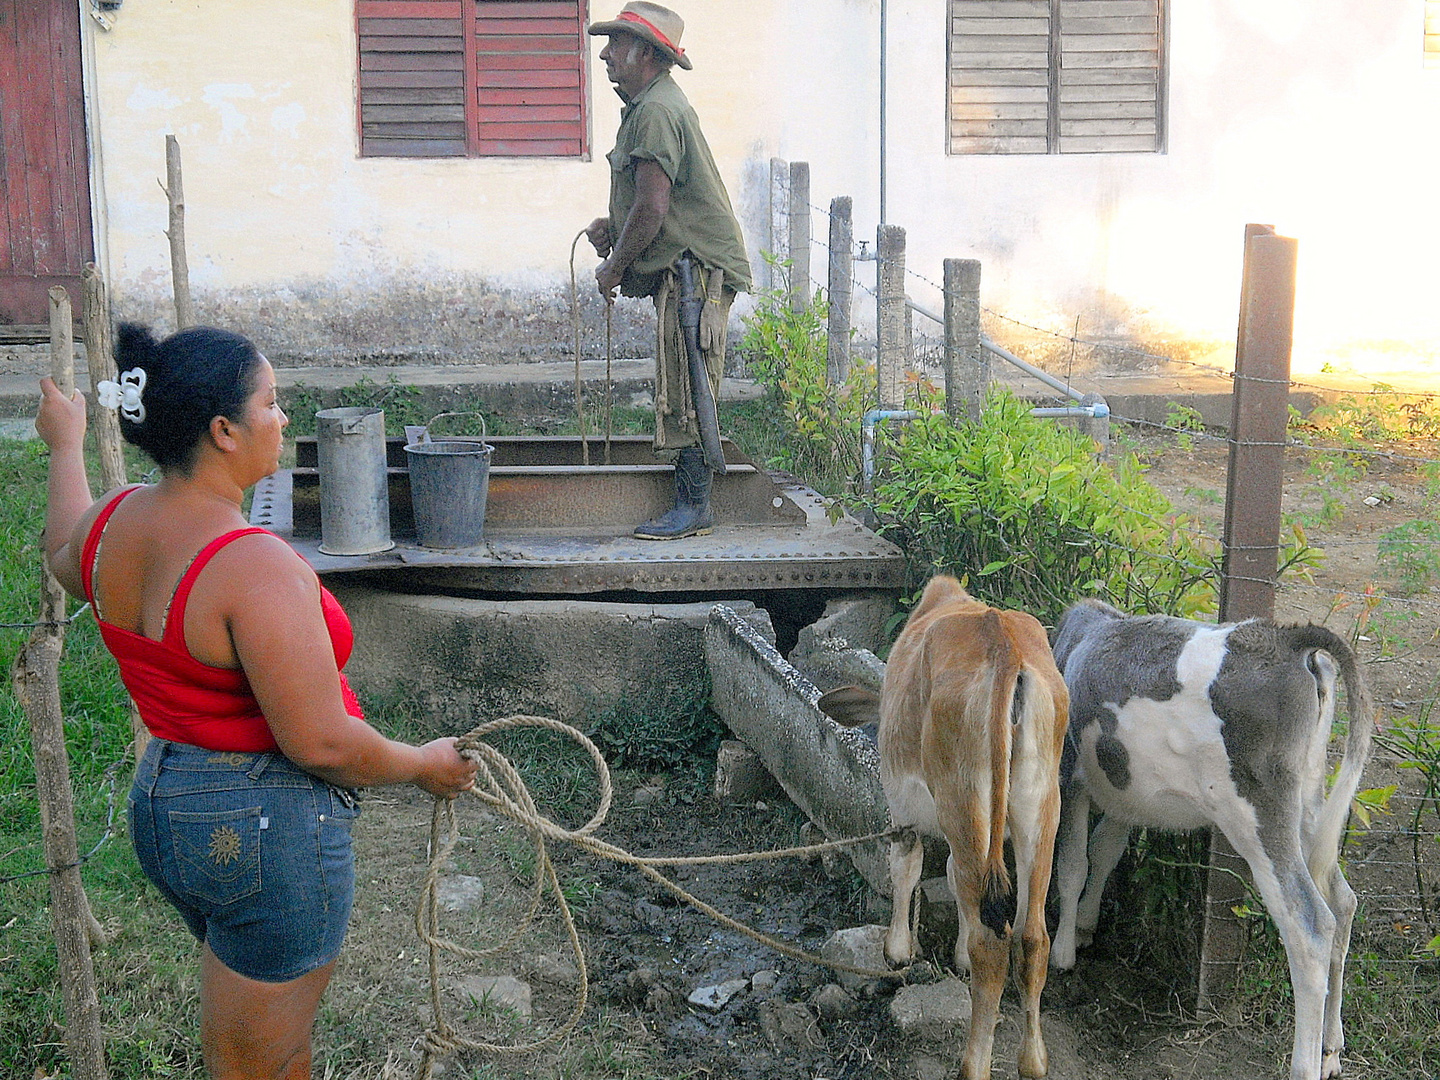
[[937, 1011], [857, 946], [502, 991]]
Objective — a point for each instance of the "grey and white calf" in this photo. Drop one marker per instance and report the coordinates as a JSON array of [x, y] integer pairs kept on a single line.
[[1179, 725]]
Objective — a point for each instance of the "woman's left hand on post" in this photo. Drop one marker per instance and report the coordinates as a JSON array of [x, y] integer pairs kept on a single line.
[[60, 423]]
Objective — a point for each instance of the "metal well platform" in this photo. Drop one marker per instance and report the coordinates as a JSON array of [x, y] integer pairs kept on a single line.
[[556, 526]]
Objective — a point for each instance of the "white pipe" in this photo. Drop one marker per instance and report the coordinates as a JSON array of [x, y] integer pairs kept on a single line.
[[871, 420]]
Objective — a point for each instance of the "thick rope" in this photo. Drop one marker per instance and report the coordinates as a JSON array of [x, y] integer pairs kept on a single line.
[[609, 362], [499, 786]]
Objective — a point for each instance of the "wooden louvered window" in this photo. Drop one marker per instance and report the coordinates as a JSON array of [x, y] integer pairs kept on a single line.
[[1057, 76], [472, 78]]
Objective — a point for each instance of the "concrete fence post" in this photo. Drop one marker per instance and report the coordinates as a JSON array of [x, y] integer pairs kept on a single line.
[[890, 315], [799, 235], [1251, 543], [779, 239], [967, 369], [841, 290]]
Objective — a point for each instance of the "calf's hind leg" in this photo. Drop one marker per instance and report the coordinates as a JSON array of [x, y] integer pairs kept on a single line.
[[1033, 838], [1341, 899], [907, 858]]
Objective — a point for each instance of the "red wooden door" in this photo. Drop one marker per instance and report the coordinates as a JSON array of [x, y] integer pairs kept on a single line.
[[45, 236]]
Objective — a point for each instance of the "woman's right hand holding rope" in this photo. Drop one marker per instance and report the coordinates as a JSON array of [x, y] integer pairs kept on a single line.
[[444, 771]]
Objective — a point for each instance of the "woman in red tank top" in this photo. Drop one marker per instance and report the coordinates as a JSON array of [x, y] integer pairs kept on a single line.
[[232, 649]]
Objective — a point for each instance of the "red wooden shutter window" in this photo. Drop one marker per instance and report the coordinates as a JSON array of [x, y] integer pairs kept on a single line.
[[412, 78], [491, 78], [530, 90]]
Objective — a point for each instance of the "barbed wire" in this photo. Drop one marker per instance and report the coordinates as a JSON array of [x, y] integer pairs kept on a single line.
[[81, 610], [110, 771]]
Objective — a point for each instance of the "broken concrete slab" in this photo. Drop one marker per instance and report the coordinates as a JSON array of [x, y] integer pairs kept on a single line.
[[740, 775], [459, 892], [859, 621], [838, 649], [831, 773], [857, 946], [937, 1011], [499, 991], [715, 998]]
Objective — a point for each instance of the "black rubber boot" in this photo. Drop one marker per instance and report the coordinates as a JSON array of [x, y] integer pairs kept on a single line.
[[690, 516]]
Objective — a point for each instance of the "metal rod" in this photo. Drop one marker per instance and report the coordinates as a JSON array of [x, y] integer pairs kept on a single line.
[[884, 11]]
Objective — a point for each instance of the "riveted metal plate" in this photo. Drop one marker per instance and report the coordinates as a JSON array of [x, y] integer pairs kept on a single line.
[[554, 526]]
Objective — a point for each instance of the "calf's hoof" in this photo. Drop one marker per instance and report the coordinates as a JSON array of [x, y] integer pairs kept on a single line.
[[1034, 1060]]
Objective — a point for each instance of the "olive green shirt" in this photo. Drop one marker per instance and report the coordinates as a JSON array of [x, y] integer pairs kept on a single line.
[[660, 126]]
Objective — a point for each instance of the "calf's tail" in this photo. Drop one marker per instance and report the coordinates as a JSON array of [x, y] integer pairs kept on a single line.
[[1357, 740], [1007, 693]]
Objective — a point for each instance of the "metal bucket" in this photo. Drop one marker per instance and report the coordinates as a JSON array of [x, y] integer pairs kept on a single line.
[[354, 493], [449, 483]]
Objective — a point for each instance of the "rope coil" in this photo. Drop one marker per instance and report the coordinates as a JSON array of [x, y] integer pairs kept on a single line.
[[499, 786]]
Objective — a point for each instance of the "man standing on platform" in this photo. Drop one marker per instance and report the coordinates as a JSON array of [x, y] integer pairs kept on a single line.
[[670, 235]]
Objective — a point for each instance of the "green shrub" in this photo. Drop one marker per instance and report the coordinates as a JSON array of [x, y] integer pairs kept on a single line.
[[815, 427], [1022, 507], [1019, 507]]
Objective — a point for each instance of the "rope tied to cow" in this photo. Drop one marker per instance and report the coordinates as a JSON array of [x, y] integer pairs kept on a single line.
[[499, 786]]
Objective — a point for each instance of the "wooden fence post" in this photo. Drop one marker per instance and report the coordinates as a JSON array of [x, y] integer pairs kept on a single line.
[[36, 679], [801, 291], [967, 371], [179, 263], [100, 359], [1252, 534], [890, 315], [841, 290]]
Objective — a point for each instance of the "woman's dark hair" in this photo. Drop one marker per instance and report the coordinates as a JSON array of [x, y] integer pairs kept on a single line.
[[190, 378]]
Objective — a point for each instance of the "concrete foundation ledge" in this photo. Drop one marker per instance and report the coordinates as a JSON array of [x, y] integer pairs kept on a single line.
[[456, 662], [830, 772]]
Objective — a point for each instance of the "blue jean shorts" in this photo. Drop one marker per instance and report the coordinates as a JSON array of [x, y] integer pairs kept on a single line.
[[253, 851]]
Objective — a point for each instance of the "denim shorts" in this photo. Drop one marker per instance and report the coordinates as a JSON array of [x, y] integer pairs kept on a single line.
[[253, 851]]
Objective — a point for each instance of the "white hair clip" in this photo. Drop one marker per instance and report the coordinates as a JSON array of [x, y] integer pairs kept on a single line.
[[124, 395]]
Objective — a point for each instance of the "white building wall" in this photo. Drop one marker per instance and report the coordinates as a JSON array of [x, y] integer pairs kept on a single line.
[[1315, 116]]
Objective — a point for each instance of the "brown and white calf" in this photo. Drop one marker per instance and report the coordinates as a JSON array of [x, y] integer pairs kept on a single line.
[[1180, 725], [972, 720]]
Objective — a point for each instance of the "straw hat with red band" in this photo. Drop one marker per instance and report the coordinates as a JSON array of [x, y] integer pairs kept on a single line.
[[658, 25]]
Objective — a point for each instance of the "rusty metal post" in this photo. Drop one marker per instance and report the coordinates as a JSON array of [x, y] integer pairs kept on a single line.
[[179, 261], [36, 681], [1250, 564], [967, 372], [800, 290], [890, 314], [841, 290]]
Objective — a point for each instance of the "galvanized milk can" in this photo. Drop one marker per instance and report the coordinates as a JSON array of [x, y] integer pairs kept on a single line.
[[354, 491]]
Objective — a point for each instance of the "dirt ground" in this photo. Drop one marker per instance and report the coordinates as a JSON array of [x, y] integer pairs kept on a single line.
[[1113, 1017]]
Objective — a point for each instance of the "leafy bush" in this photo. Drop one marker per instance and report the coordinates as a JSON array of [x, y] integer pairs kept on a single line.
[[1020, 506], [1023, 507], [785, 348]]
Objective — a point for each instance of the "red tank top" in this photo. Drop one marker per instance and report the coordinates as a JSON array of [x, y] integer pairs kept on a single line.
[[178, 697]]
